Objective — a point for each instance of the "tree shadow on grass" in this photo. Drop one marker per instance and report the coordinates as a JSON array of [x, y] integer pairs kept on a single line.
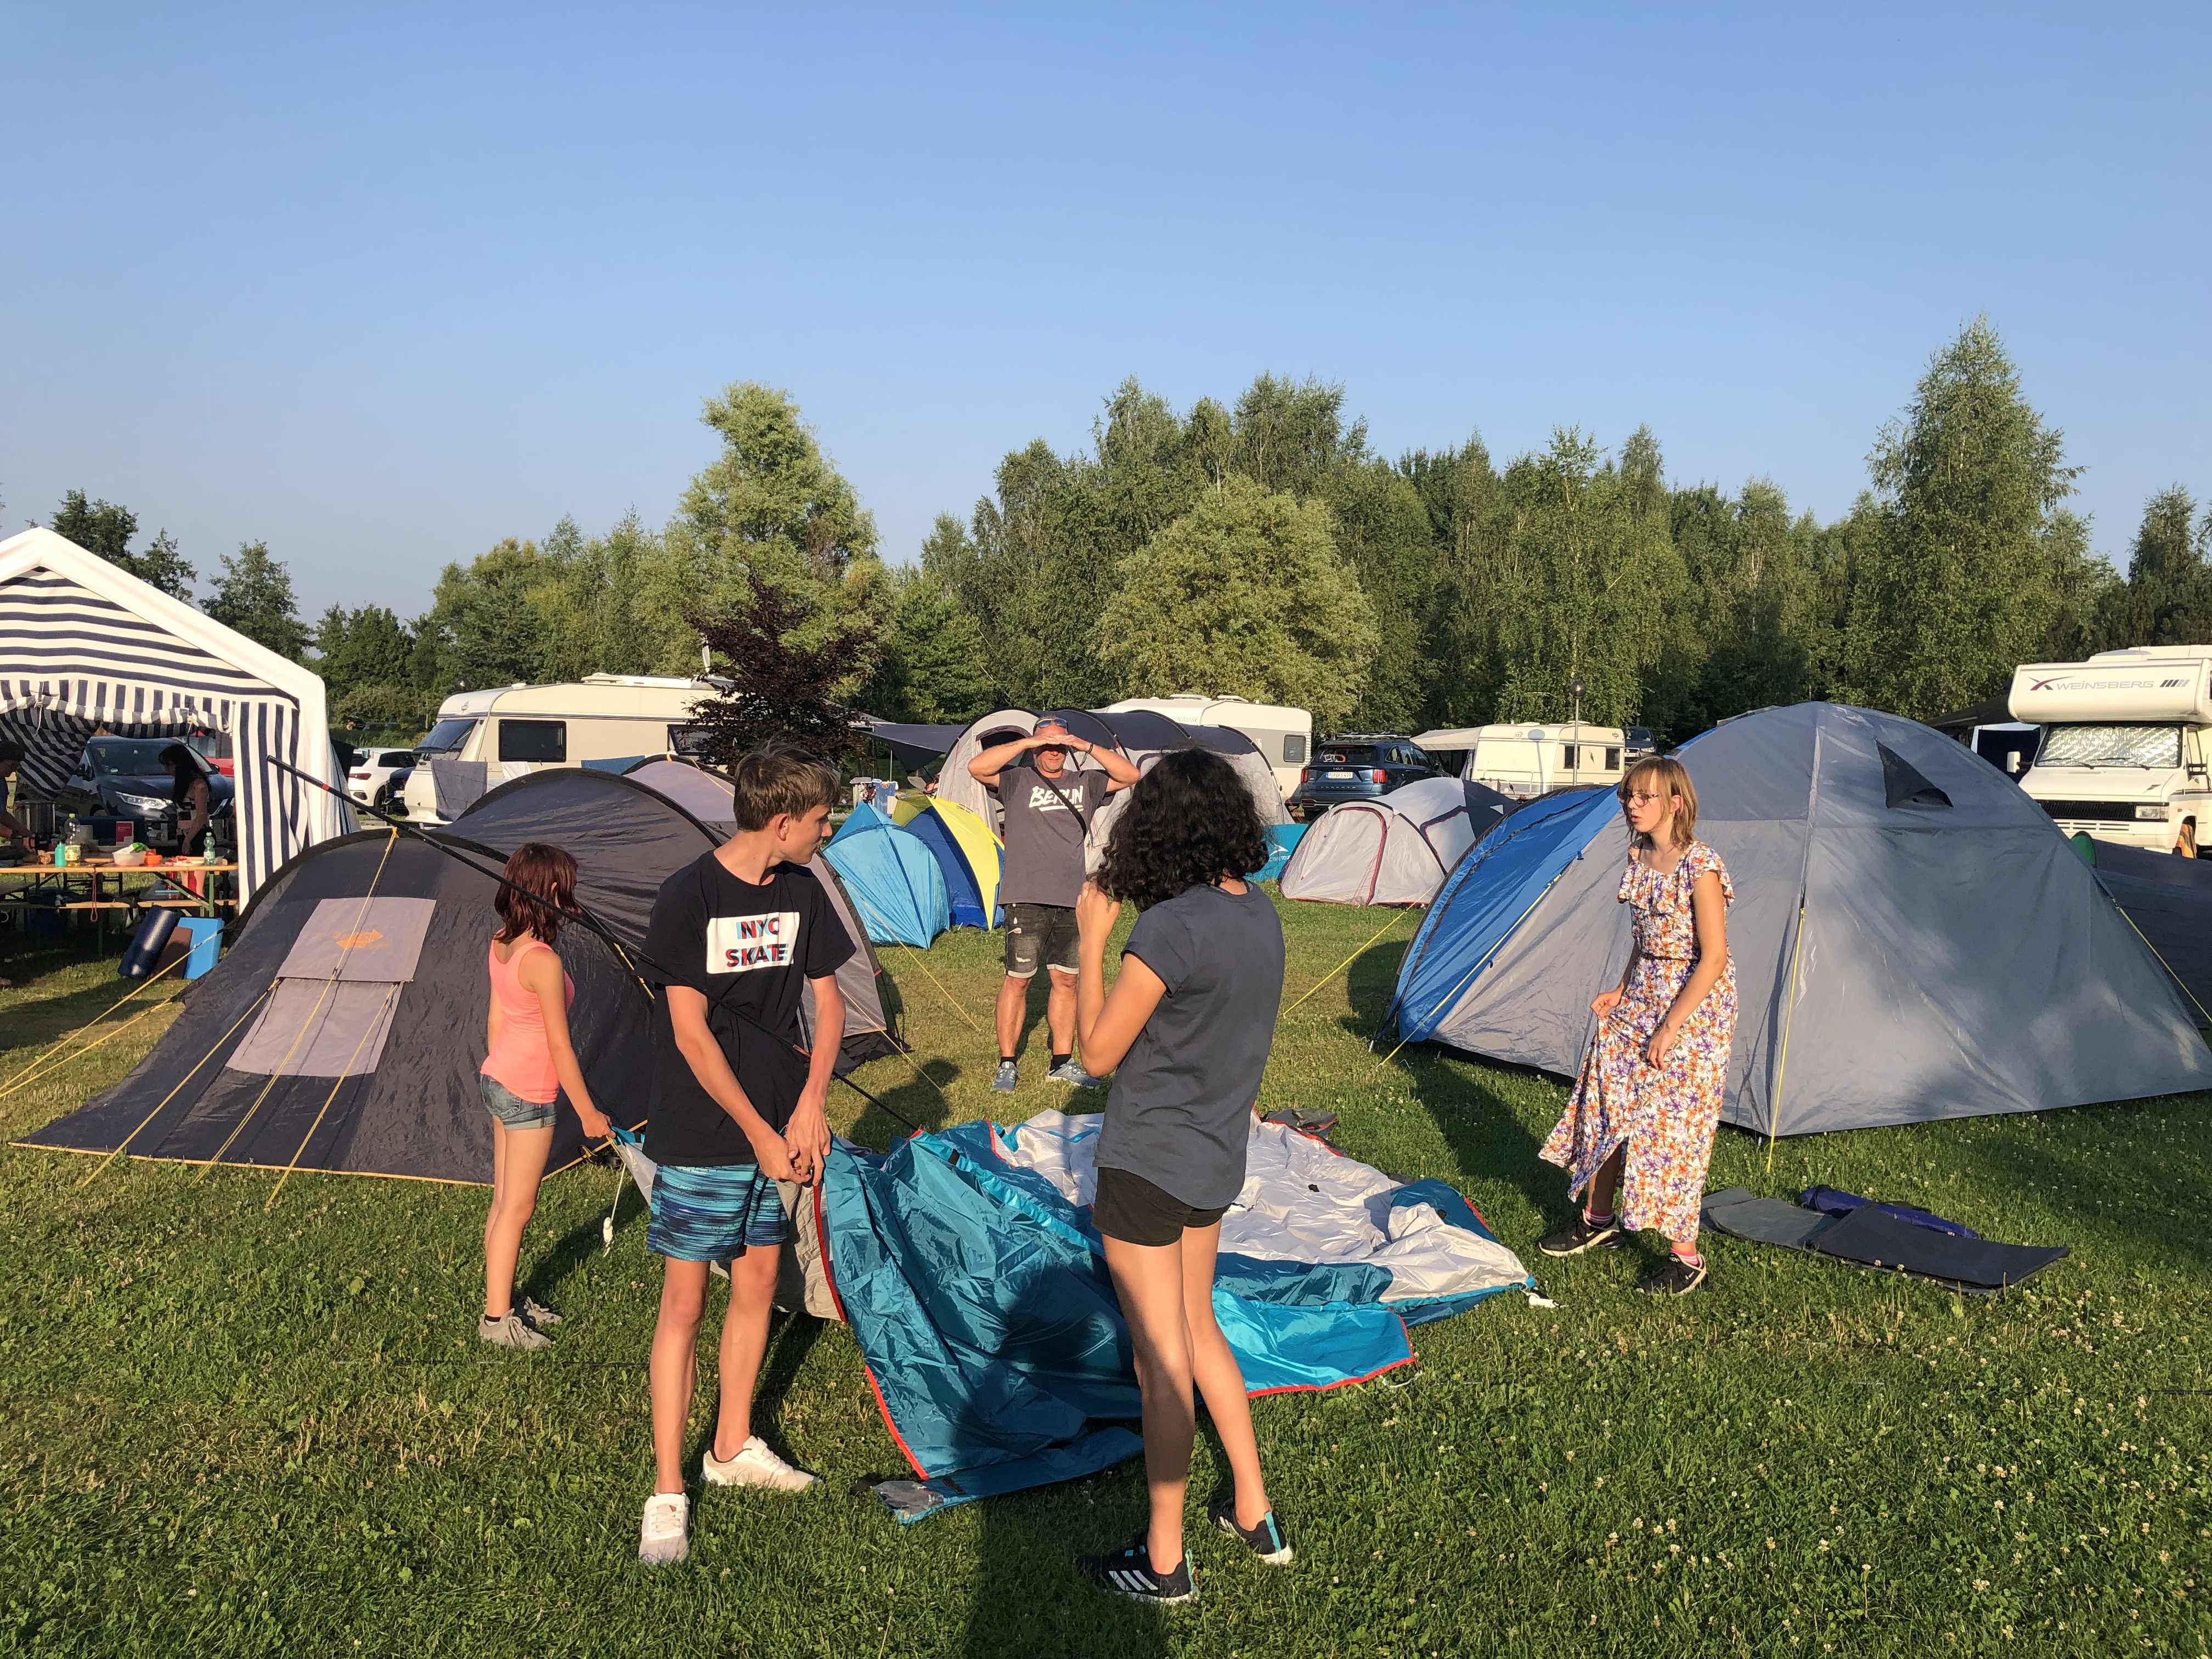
[[1487, 1134]]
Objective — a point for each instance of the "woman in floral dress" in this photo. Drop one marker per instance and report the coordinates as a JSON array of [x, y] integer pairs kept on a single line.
[[1640, 1124]]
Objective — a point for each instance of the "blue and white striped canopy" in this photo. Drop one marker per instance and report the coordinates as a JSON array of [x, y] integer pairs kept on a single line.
[[86, 647]]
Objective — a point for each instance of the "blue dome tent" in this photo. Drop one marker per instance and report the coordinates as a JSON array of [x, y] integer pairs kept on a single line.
[[897, 887]]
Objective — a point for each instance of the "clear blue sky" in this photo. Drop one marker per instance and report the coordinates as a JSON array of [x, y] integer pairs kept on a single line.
[[381, 285]]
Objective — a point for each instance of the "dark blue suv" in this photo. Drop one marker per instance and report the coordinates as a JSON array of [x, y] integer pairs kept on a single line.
[[1358, 766]]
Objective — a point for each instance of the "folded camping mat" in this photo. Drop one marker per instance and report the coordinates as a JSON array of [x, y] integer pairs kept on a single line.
[[1869, 1238]]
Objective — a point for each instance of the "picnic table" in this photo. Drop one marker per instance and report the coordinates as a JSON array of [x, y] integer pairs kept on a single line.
[[184, 884]]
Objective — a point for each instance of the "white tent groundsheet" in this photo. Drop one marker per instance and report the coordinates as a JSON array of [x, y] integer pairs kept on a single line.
[[1395, 849], [84, 645], [1300, 1202]]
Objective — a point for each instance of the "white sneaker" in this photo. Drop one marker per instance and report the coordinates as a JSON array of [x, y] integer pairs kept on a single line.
[[755, 1465], [511, 1330], [661, 1540]]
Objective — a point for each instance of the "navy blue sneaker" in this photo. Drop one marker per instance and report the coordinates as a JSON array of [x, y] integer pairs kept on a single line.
[[1266, 1539], [1129, 1573]]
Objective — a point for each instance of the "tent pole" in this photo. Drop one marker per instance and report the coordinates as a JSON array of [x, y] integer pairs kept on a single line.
[[1796, 950]]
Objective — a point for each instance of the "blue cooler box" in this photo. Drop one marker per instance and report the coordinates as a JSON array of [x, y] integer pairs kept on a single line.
[[207, 943]]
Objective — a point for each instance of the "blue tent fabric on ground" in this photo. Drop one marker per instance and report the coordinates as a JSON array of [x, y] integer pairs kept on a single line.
[[978, 1290], [894, 880]]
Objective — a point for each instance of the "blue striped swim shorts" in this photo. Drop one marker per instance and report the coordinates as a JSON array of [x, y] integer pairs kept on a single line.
[[712, 1213]]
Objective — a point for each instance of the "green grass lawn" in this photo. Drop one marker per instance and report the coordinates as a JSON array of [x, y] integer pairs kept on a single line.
[[234, 1426]]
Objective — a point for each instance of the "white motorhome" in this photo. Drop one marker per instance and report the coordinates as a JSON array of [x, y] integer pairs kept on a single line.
[[2124, 742], [1528, 760], [516, 729], [1283, 736]]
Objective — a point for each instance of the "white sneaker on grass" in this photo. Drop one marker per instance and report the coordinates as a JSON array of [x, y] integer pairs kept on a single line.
[[511, 1330], [1003, 1080], [661, 1536], [538, 1315], [1069, 1072], [755, 1465]]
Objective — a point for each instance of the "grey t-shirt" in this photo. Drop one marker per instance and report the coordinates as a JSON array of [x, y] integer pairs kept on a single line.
[[1181, 1112], [1044, 839]]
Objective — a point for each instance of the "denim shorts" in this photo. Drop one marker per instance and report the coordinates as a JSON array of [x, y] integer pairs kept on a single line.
[[1039, 933], [511, 1109], [712, 1213]]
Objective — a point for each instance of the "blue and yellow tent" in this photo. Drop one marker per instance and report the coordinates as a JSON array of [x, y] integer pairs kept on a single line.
[[966, 851]]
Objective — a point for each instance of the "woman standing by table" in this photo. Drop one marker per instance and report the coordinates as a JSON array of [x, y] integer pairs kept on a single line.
[[195, 804]]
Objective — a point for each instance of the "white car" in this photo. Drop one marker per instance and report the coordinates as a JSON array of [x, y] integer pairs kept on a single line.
[[369, 782]]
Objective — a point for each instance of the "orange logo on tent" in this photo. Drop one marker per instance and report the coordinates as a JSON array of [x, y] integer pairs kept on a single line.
[[366, 941]]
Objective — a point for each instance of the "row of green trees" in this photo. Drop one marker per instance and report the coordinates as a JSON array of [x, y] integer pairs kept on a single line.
[[1263, 549]]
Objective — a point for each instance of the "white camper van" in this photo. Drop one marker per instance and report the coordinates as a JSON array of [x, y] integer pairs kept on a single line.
[[522, 728], [2124, 743], [1283, 736], [1528, 760]]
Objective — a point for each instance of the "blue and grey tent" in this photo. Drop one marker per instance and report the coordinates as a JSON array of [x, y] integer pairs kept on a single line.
[[895, 883], [1913, 937], [975, 1286]]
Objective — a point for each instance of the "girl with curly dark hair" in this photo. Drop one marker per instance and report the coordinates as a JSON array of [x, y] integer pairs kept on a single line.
[[1185, 1031]]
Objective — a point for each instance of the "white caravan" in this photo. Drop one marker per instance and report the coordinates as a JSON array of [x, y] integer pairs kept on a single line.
[[1528, 760], [1283, 736], [517, 729], [2125, 747]]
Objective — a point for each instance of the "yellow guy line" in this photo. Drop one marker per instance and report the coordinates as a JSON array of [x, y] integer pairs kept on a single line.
[[2164, 963], [24, 1076], [172, 1095], [323, 996], [1346, 962], [368, 1031]]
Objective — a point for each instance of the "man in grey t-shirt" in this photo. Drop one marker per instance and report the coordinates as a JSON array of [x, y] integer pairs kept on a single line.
[[1049, 806]]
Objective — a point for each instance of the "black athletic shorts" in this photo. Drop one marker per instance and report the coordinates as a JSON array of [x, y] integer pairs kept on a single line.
[[1039, 933], [1130, 1208]]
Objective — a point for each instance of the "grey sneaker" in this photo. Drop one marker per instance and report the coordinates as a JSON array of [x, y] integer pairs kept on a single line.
[[755, 1465], [1004, 1081], [511, 1330], [661, 1536], [1068, 1071], [542, 1317]]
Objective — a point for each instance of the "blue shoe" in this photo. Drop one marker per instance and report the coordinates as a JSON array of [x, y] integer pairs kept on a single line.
[[1266, 1539], [1004, 1082], [1068, 1071], [1129, 1573]]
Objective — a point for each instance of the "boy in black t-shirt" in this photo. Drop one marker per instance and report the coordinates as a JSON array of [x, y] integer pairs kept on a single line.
[[735, 1109]]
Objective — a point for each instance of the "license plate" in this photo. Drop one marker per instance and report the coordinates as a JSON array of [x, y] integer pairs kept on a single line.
[[1337, 774]]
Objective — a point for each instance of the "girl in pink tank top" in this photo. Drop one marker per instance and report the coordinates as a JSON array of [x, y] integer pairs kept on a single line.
[[528, 1064]]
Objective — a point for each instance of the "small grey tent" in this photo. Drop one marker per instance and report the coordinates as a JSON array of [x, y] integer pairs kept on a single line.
[[1914, 938], [1396, 848]]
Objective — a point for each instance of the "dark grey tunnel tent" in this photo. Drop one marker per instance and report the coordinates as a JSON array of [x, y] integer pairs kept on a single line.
[[343, 1029], [1914, 938]]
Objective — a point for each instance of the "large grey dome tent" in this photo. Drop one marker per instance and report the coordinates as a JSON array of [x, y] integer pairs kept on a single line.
[[1395, 849], [1914, 938]]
